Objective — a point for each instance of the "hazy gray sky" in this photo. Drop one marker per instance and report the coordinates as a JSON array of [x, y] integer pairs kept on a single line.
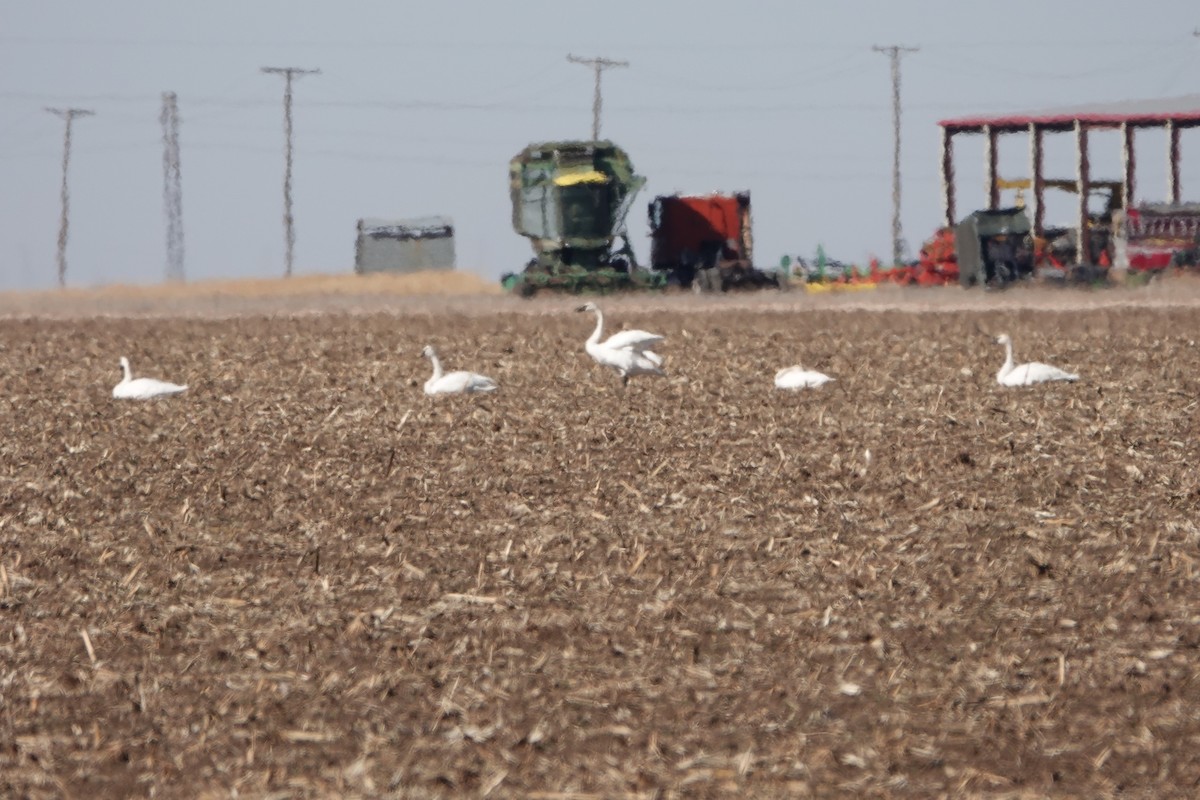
[[421, 105]]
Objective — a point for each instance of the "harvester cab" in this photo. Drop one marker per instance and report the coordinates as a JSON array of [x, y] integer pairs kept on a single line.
[[570, 199]]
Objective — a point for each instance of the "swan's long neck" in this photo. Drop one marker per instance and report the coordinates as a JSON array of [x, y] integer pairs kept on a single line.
[[596, 334], [126, 375], [1008, 359], [437, 366]]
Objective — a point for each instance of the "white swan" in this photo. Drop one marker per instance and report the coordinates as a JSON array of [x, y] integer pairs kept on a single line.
[[800, 378], [628, 352], [455, 382], [1027, 374], [131, 388]]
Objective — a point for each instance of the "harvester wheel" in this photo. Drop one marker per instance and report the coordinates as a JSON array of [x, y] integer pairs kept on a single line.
[[526, 289]]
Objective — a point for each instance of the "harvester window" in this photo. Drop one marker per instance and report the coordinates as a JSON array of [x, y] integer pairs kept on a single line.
[[587, 210]]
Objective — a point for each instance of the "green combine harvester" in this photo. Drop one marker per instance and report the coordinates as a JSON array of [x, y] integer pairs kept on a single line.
[[571, 199]]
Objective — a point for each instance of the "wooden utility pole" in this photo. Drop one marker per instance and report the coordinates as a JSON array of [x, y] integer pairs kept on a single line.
[[172, 186], [68, 115], [289, 231], [599, 65], [894, 52]]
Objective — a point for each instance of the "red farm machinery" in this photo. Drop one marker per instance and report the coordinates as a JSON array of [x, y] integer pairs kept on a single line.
[[705, 242]]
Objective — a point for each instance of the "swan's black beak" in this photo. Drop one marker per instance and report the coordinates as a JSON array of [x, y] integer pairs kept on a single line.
[[582, 308]]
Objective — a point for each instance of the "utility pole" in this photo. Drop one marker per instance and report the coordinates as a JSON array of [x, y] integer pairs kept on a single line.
[[289, 231], [69, 115], [172, 186], [894, 52], [599, 65]]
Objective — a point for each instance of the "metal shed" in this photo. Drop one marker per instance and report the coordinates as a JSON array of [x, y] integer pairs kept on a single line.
[[1172, 114], [404, 245]]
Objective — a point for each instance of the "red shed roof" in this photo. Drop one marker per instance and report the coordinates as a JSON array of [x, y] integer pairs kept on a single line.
[[1184, 111]]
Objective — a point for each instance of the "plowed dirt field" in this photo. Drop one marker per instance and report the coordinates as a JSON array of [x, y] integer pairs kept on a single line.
[[303, 578]]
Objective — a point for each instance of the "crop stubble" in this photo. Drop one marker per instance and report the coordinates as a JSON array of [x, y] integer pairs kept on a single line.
[[303, 577]]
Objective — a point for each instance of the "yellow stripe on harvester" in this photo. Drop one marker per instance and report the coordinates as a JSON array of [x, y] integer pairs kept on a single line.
[[572, 178]]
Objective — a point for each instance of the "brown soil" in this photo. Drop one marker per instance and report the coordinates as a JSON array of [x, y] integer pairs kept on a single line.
[[305, 579]]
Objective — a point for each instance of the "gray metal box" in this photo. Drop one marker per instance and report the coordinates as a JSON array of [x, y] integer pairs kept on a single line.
[[404, 245]]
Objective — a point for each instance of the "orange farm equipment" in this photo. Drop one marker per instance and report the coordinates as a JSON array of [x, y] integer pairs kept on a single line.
[[937, 266]]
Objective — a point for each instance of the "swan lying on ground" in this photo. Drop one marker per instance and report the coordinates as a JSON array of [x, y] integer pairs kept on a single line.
[[800, 378], [1027, 374], [131, 388], [455, 382], [627, 352]]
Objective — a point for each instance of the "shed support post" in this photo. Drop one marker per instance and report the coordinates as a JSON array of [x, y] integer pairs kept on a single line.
[[1037, 180], [1173, 189], [991, 156], [1083, 186], [948, 177], [1128, 166]]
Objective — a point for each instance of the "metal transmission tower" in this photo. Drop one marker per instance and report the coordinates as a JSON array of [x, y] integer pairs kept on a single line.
[[69, 115], [289, 231], [172, 186], [599, 65], [894, 52]]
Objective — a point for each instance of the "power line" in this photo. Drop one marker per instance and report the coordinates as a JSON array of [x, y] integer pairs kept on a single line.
[[599, 65], [68, 115], [766, 107], [894, 52], [172, 186], [289, 230], [513, 107]]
